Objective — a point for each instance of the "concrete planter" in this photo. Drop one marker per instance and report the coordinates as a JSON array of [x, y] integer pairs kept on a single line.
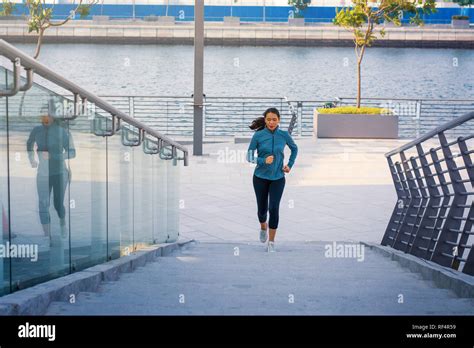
[[296, 22], [460, 23], [150, 18], [100, 18], [355, 126], [169, 20], [228, 20]]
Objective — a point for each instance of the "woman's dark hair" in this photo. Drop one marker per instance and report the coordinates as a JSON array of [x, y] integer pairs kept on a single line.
[[259, 122]]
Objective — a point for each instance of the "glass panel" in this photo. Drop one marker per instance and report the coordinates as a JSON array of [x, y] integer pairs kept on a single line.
[[38, 151], [120, 196], [173, 198], [88, 190], [160, 185], [4, 228], [73, 189], [142, 204]]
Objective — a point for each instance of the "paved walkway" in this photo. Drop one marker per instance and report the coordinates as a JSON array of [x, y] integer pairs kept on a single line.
[[210, 279], [338, 190]]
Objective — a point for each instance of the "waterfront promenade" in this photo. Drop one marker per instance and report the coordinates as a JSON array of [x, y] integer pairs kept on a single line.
[[339, 191]]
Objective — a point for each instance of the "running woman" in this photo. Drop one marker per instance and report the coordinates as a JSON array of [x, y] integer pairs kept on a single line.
[[269, 175]]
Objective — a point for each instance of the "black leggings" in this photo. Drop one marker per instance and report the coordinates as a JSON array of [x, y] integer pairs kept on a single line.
[[263, 189], [45, 184]]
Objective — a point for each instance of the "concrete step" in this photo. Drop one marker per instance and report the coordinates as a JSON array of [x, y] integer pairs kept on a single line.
[[214, 281]]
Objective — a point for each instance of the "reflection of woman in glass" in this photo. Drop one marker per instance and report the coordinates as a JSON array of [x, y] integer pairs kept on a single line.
[[54, 145]]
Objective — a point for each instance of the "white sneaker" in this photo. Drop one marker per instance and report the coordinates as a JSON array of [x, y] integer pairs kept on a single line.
[[271, 247], [263, 236]]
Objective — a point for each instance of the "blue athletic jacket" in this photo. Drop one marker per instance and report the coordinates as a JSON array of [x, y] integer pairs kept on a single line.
[[57, 141], [267, 143]]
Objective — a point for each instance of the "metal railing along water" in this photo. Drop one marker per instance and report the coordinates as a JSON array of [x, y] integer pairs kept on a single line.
[[230, 116]]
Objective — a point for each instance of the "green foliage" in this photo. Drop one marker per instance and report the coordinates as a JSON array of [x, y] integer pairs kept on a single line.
[[83, 10], [300, 6], [363, 14], [7, 8], [464, 3], [39, 15]]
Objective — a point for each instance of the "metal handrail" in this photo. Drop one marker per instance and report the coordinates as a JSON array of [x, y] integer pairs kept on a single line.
[[16, 80], [451, 124], [29, 63], [432, 198]]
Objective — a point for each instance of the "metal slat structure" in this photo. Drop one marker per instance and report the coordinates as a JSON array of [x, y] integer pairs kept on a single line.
[[434, 214]]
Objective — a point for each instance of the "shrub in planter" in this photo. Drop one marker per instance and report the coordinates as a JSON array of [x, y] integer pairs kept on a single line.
[[353, 122], [462, 20], [365, 110]]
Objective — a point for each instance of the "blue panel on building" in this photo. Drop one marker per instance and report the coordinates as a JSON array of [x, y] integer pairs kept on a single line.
[[217, 13]]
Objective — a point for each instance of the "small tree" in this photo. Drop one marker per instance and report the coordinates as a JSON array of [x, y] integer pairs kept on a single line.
[[41, 17], [361, 18], [300, 6], [7, 8], [463, 4]]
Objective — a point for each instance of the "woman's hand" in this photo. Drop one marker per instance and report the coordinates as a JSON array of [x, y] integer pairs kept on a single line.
[[269, 159], [286, 169]]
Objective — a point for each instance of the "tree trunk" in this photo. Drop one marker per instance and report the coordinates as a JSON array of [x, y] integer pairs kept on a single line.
[[360, 57], [358, 83], [38, 45]]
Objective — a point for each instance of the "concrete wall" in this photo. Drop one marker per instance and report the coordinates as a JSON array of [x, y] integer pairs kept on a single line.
[[219, 34]]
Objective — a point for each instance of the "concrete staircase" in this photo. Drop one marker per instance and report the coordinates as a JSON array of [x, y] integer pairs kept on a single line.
[[242, 279]]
